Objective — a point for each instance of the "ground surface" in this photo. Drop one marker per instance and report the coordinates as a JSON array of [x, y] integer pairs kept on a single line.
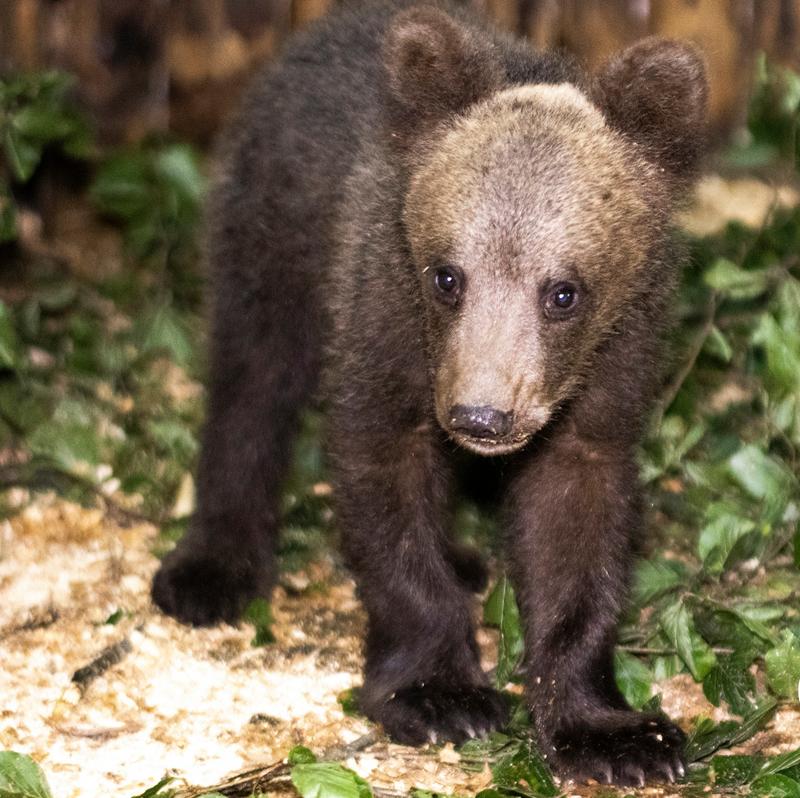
[[198, 704]]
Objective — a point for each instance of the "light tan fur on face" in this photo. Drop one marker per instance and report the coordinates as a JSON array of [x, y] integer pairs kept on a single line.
[[530, 187]]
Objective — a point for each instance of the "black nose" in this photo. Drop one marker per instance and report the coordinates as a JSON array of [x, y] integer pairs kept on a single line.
[[480, 422]]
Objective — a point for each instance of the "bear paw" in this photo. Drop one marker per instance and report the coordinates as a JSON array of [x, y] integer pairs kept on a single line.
[[627, 748], [202, 591], [435, 713]]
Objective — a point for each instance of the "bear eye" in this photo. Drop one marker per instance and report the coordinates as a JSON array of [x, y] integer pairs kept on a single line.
[[561, 300], [447, 281]]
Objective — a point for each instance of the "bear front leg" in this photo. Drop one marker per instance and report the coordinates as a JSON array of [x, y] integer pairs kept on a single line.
[[423, 680], [575, 515]]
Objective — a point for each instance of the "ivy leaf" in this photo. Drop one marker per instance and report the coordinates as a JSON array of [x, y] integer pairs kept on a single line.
[[633, 678], [783, 666], [501, 611], [328, 780], [677, 625], [21, 777]]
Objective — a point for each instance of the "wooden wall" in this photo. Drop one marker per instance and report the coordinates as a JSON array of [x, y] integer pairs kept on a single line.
[[147, 65]]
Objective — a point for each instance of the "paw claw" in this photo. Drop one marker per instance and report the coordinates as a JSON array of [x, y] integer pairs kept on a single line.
[[621, 747], [439, 714]]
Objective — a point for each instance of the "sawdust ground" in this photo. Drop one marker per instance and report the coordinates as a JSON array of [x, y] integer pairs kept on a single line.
[[199, 704]]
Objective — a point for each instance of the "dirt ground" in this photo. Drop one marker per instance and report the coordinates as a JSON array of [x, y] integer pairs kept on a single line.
[[201, 705], [197, 704]]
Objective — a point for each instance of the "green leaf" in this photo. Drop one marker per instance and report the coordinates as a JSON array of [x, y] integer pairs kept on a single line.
[[9, 343], [8, 215], [656, 577], [730, 682], [633, 678], [349, 702], [328, 780], [718, 345], [782, 762], [677, 625], [73, 447], [734, 769], [21, 777], [708, 737], [719, 537], [23, 156], [775, 787], [178, 167], [157, 790], [164, 330], [501, 610], [259, 613], [114, 618], [760, 474], [524, 772], [783, 667], [300, 755], [41, 125], [734, 281], [781, 348]]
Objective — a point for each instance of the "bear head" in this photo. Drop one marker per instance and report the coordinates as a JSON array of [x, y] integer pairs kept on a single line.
[[533, 212]]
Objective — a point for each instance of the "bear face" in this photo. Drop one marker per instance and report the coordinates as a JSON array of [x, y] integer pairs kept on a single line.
[[531, 212], [530, 223]]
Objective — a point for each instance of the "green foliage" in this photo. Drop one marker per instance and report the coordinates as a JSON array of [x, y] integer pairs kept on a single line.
[[157, 790], [501, 611], [773, 119], [523, 771], [328, 780], [259, 613], [36, 114], [300, 755], [21, 777], [349, 702], [155, 193]]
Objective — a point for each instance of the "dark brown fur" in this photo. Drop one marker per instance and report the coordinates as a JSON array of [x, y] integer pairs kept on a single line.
[[345, 191]]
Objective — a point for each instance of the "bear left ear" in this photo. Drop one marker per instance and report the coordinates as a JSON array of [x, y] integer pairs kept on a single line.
[[655, 93], [435, 68]]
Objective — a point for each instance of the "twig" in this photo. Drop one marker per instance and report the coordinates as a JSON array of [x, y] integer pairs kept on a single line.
[[107, 658], [275, 777], [666, 652]]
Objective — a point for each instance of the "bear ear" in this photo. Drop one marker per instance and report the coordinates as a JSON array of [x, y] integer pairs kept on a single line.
[[435, 68], [655, 93]]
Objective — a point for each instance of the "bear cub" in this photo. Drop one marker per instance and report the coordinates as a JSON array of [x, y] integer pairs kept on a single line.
[[459, 243]]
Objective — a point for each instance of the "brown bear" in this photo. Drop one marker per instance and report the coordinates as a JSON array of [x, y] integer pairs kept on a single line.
[[471, 242]]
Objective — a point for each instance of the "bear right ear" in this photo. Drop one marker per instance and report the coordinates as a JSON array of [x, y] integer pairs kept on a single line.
[[435, 69], [655, 93]]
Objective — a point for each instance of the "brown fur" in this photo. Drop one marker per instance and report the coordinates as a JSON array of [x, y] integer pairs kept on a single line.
[[389, 155]]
